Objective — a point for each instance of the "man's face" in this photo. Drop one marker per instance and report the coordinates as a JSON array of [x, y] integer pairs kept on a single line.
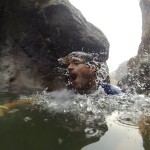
[[80, 75]]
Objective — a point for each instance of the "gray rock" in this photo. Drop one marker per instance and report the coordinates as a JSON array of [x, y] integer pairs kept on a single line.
[[138, 78], [34, 34]]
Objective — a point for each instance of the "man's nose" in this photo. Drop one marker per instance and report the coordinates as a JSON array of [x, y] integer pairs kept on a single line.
[[70, 67]]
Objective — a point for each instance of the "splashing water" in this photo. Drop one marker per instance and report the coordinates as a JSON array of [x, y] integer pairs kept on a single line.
[[94, 106]]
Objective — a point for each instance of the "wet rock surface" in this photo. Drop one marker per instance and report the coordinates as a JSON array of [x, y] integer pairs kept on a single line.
[[34, 34]]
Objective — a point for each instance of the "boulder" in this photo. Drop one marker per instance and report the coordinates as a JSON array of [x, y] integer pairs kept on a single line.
[[34, 34]]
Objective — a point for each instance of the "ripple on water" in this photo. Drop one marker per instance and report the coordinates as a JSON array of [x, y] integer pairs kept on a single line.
[[127, 119]]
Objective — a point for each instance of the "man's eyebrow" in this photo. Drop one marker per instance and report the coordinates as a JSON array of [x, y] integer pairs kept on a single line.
[[74, 60], [77, 59]]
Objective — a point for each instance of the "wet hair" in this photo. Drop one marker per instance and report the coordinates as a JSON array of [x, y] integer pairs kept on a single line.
[[101, 74]]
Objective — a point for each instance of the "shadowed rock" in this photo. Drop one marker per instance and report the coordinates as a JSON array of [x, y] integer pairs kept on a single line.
[[34, 34]]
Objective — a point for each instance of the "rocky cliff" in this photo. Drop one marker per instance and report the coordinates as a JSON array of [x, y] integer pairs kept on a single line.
[[138, 78], [34, 34]]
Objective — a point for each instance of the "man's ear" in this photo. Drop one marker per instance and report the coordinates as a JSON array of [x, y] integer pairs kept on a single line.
[[93, 68]]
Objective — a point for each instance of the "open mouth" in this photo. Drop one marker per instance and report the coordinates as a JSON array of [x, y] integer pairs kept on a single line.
[[73, 76]]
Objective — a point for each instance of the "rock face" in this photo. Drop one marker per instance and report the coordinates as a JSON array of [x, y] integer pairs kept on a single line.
[[121, 71], [34, 34], [138, 78], [144, 48]]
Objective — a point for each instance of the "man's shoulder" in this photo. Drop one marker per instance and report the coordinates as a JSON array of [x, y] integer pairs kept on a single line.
[[111, 89]]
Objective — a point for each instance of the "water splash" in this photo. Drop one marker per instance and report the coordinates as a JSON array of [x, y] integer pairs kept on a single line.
[[94, 107]]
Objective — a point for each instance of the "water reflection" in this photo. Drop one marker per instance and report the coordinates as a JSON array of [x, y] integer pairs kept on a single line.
[[6, 97], [30, 128], [118, 137]]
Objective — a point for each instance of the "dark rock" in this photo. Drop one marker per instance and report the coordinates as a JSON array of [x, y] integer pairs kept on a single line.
[[34, 34]]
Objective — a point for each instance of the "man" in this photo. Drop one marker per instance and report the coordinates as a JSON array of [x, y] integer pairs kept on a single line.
[[84, 74]]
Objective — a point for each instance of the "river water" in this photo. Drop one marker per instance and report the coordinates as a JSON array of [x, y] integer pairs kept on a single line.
[[62, 120]]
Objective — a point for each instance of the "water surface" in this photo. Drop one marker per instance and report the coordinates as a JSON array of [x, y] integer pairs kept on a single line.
[[61, 120]]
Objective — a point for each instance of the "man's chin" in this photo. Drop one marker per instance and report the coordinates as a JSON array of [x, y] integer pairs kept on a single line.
[[78, 88]]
